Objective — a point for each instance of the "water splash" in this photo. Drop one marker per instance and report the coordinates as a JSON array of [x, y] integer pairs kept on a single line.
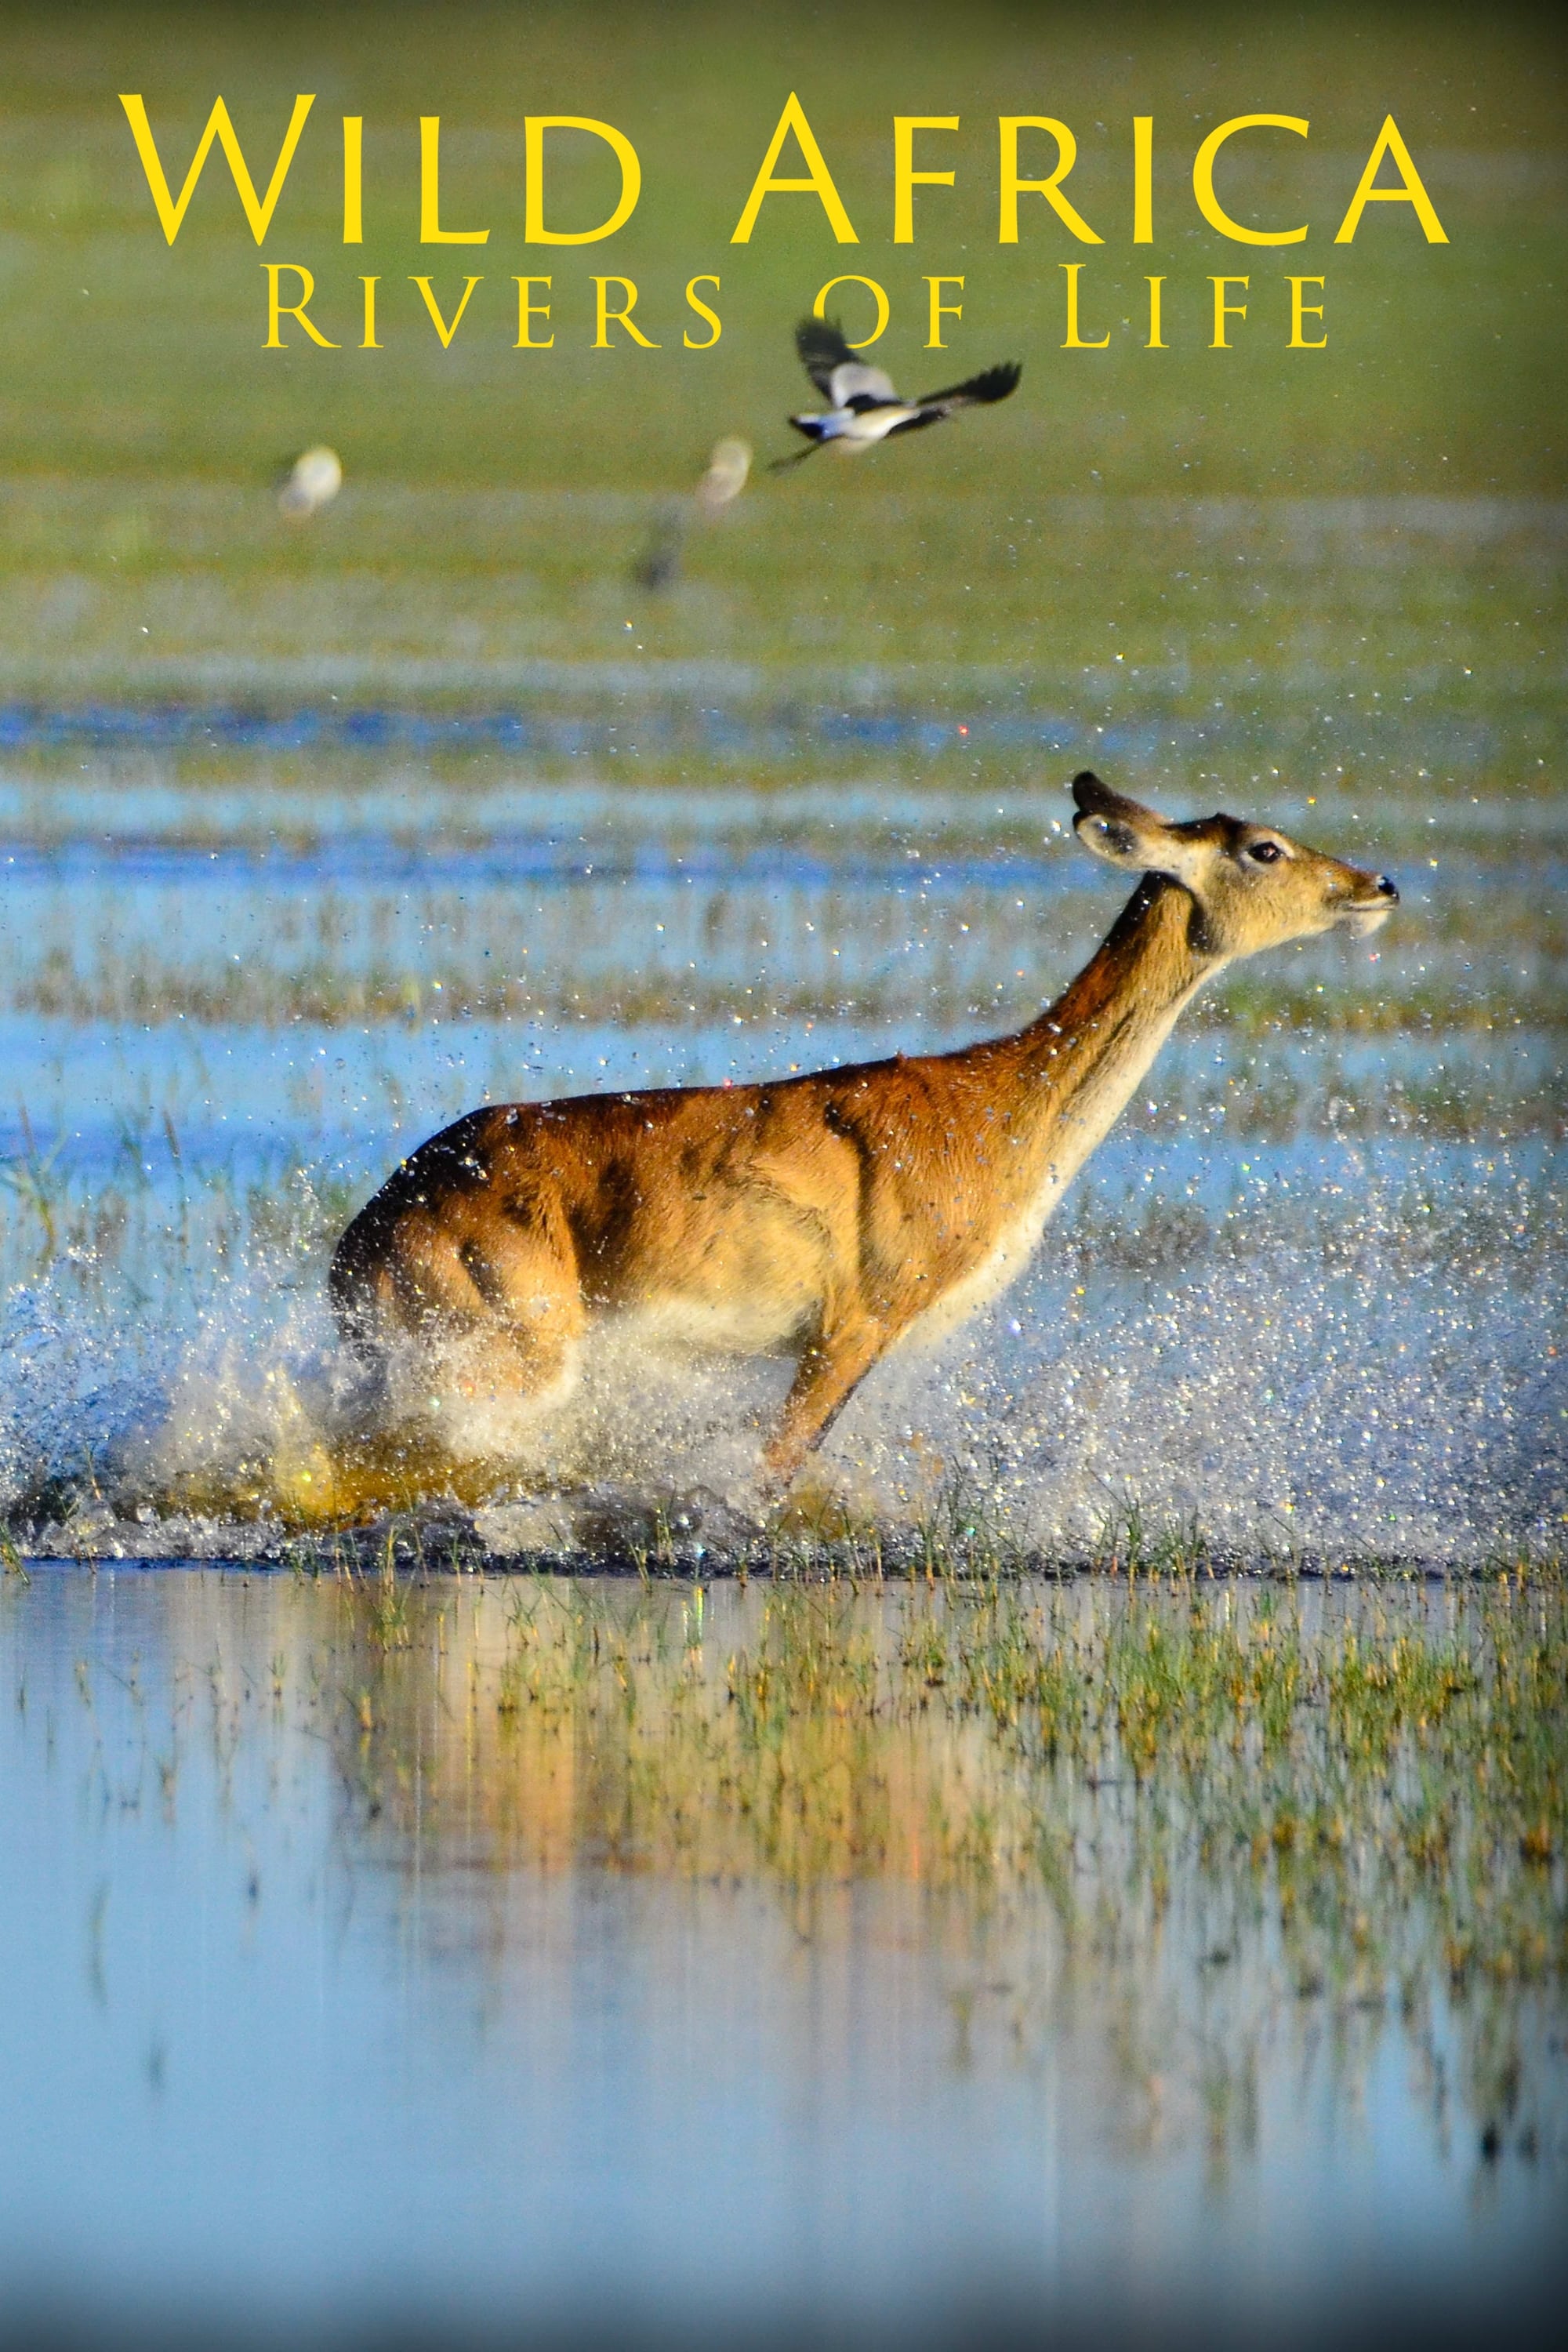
[[1301, 1378], [1308, 1296]]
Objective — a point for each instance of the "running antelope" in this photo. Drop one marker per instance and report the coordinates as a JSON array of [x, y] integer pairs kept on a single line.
[[823, 1217]]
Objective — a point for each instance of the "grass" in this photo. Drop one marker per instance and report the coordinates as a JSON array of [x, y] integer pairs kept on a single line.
[[1237, 1816], [1409, 635], [140, 989], [1333, 587], [143, 1224], [1376, 1779]]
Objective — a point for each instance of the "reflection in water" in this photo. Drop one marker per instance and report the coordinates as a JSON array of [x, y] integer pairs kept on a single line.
[[489, 1948]]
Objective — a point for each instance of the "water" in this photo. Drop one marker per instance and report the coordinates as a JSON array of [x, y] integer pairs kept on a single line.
[[401, 1945], [357, 1990], [1311, 1289], [628, 1964]]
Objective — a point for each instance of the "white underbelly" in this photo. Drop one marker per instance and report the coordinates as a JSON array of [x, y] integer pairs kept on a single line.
[[1002, 1265], [679, 1323], [852, 432]]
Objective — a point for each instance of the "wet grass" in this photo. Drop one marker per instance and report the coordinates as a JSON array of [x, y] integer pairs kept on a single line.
[[1216, 1824], [1369, 1786], [1395, 639], [140, 1221], [148, 992]]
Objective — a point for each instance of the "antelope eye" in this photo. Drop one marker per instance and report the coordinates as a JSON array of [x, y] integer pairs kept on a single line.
[[1267, 853]]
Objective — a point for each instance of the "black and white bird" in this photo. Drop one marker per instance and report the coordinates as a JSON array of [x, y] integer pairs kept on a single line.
[[865, 407]]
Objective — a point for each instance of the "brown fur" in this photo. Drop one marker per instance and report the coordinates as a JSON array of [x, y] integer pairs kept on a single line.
[[822, 1216]]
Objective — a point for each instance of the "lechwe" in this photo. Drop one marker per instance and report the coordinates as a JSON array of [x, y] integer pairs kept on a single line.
[[821, 1217]]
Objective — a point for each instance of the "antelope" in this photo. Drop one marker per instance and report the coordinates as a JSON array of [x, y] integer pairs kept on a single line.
[[823, 1217]]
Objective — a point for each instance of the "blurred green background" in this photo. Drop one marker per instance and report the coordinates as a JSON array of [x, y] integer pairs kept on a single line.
[[497, 499]]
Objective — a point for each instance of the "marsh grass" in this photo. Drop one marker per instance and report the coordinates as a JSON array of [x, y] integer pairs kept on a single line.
[[1372, 1781], [1356, 1797], [1223, 1823], [140, 988], [240, 984], [153, 1215]]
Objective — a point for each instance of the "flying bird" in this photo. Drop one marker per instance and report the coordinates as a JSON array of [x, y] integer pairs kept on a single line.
[[719, 487], [865, 407], [726, 476], [311, 483]]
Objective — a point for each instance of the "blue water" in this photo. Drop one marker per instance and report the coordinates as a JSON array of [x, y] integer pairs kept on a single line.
[[271, 2057], [278, 2054], [1368, 1281]]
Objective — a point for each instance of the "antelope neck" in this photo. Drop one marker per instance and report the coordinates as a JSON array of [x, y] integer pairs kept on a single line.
[[1078, 1064]]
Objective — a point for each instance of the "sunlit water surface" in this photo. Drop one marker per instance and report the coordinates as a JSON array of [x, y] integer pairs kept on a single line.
[[1310, 1291], [349, 1979], [496, 1954]]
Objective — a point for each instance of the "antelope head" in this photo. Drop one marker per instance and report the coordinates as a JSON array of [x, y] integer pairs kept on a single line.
[[1252, 886]]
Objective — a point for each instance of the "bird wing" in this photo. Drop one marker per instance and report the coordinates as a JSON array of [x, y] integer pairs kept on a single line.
[[994, 384], [852, 386], [822, 349]]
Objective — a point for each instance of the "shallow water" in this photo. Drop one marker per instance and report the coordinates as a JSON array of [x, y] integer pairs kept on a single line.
[[433, 1953], [239, 977], [646, 1960]]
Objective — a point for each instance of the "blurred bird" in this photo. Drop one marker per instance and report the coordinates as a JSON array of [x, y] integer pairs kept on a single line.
[[865, 407], [312, 482], [729, 467]]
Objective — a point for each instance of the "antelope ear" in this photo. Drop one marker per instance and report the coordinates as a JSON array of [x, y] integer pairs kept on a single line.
[[1124, 833]]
